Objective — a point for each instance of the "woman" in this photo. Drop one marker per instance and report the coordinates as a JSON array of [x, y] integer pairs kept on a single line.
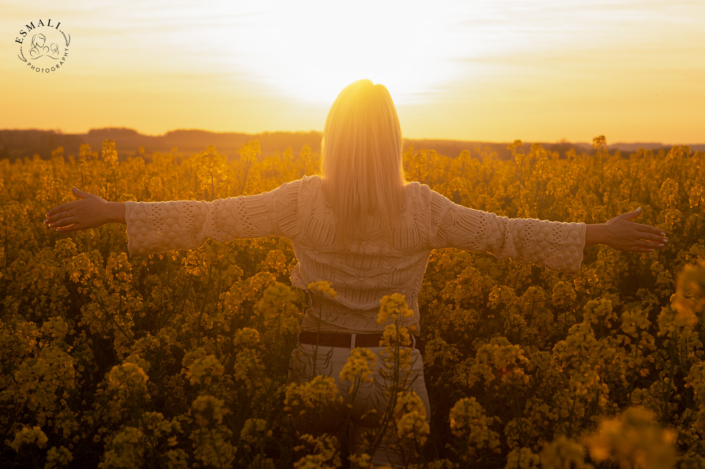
[[360, 226]]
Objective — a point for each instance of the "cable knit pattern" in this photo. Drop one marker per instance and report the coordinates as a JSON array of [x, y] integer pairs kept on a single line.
[[370, 268]]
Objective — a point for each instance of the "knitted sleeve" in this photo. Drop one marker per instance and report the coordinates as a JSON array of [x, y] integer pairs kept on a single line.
[[556, 245], [186, 224]]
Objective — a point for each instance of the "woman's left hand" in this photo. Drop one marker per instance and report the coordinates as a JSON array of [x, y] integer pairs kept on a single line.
[[89, 211]]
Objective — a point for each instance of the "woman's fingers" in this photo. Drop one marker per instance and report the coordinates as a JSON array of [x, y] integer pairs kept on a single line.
[[65, 222], [647, 245], [58, 216], [74, 227], [61, 208], [643, 246], [653, 237], [649, 239], [650, 229]]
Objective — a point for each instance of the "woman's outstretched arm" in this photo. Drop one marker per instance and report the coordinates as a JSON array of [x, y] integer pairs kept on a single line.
[[555, 245], [184, 224]]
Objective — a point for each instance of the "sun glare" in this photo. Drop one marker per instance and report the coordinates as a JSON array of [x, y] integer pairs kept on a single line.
[[311, 54]]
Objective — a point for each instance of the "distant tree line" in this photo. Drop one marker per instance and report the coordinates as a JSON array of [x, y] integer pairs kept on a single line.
[[16, 144]]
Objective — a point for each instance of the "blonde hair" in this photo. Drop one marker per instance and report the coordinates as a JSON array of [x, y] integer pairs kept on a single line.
[[361, 161]]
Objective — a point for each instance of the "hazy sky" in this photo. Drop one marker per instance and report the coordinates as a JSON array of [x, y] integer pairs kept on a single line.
[[633, 70]]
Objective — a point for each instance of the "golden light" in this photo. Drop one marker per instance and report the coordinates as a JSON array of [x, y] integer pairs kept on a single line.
[[310, 53]]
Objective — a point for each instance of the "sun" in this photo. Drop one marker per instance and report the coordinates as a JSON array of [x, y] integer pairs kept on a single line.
[[311, 53]]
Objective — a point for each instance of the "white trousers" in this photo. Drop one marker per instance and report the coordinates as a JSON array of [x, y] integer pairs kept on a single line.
[[329, 362]]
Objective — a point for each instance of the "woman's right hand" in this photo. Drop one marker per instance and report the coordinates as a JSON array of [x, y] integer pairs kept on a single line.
[[90, 211], [625, 235]]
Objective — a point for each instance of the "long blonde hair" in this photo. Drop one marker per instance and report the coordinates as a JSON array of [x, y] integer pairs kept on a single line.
[[361, 161]]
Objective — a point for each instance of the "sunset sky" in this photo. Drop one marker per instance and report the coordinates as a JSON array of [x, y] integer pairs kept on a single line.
[[633, 70]]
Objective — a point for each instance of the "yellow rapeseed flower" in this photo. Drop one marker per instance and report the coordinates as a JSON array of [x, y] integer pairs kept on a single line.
[[391, 306], [324, 287], [361, 363]]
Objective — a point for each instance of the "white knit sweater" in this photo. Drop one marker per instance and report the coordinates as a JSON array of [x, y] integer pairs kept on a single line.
[[368, 270]]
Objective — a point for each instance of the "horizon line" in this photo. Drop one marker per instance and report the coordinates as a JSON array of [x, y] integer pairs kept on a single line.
[[61, 132]]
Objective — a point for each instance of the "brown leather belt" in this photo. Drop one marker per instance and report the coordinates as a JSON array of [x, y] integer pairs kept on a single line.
[[340, 339]]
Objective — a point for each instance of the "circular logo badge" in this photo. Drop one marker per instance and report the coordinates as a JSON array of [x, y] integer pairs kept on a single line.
[[43, 46]]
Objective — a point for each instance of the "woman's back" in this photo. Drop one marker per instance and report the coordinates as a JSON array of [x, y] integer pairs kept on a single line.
[[365, 270]]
